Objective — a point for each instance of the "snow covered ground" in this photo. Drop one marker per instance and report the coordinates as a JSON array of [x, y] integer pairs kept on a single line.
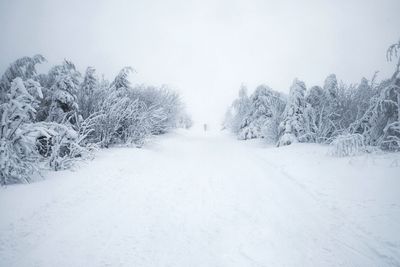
[[205, 199]]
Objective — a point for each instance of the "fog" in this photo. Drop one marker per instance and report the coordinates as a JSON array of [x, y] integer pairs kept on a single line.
[[207, 49]]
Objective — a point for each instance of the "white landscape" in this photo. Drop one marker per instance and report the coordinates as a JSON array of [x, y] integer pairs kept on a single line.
[[204, 199], [199, 133]]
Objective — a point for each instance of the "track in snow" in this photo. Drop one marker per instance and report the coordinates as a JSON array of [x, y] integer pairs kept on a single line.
[[187, 199]]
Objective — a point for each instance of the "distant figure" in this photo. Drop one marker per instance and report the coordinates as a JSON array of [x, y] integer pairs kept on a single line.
[[205, 127]]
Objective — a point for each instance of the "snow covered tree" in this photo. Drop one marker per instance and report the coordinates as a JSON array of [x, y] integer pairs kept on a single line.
[[264, 115], [184, 121], [345, 112], [335, 112], [331, 87], [316, 97], [18, 153], [332, 105], [24, 68], [324, 110], [55, 119], [86, 94], [239, 110], [64, 81], [67, 145], [142, 122], [316, 114], [293, 128], [130, 115], [362, 96], [114, 110], [257, 114], [160, 98], [121, 81], [117, 109], [380, 125], [171, 105], [228, 118]]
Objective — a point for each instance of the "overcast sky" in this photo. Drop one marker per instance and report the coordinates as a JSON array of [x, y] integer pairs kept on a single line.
[[206, 49]]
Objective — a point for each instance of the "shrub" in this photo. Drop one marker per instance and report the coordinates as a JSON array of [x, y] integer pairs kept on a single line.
[[348, 145]]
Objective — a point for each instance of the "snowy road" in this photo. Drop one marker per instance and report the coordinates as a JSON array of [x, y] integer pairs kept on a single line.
[[196, 199]]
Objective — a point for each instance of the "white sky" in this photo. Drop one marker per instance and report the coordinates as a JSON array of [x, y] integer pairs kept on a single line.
[[207, 49]]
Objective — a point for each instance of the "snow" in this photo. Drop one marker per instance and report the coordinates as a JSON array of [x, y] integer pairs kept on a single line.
[[193, 198]]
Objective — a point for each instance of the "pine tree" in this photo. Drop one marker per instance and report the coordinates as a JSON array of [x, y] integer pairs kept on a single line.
[[293, 127]]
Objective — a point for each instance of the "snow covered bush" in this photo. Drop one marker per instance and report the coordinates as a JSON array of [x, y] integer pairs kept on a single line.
[[348, 145], [66, 146], [57, 118], [129, 114]]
